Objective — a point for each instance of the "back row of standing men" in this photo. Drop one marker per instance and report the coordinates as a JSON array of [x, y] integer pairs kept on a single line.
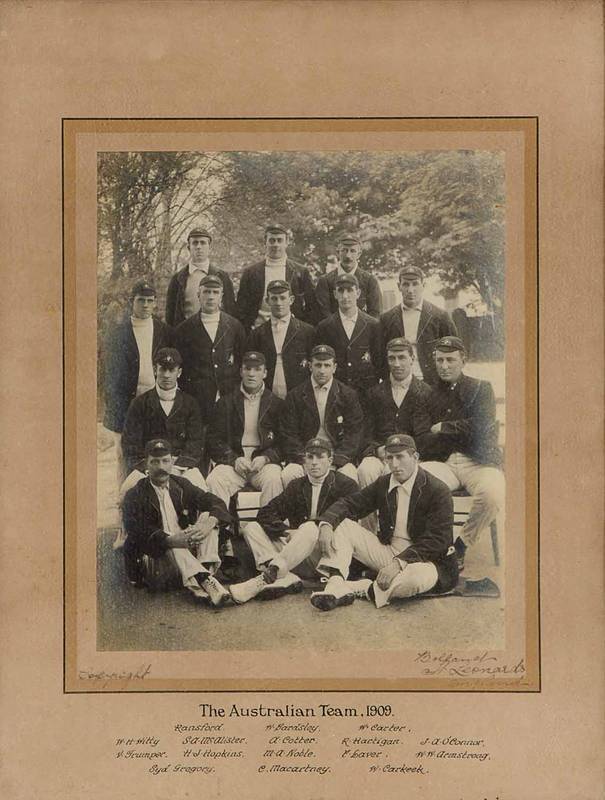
[[287, 362]]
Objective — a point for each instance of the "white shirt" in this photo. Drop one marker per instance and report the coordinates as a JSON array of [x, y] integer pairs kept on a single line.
[[250, 437], [167, 398], [411, 320], [348, 323], [170, 520], [316, 485], [210, 322], [143, 334], [342, 271], [321, 398], [399, 389], [400, 539], [279, 328]]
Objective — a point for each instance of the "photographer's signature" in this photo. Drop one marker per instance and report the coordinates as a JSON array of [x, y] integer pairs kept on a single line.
[[482, 664]]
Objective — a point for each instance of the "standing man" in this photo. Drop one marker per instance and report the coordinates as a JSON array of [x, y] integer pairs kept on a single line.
[[283, 540], [243, 437], [182, 298], [211, 344], [397, 405], [461, 448], [172, 529], [418, 321], [413, 551], [321, 408], [252, 309], [129, 350], [370, 297], [285, 341], [355, 337], [164, 412]]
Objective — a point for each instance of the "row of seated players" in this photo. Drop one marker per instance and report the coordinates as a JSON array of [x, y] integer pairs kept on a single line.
[[255, 438]]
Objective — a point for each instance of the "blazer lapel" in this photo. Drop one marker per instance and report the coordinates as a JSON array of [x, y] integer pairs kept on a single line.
[[221, 331], [359, 328], [415, 495], [178, 402], [325, 492], [309, 398], [290, 333], [425, 318], [265, 403], [308, 496]]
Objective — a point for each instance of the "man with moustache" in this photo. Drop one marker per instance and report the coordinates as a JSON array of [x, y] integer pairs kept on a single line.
[[355, 337], [164, 412], [413, 552], [243, 437], [285, 341], [419, 322], [283, 539], [321, 408], [252, 308], [182, 298], [370, 297], [461, 448], [172, 530], [211, 344]]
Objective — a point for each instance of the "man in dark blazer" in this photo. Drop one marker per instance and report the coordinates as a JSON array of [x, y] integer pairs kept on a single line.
[[252, 309], [286, 342], [283, 539], [418, 321], [172, 529], [128, 360], [397, 405], [413, 552], [243, 436], [355, 337], [321, 407], [211, 344], [370, 296], [164, 412], [461, 448], [182, 297]]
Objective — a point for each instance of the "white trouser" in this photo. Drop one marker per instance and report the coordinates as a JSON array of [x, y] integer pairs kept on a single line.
[[193, 475], [224, 482], [297, 551], [351, 540], [205, 559], [485, 484], [292, 471]]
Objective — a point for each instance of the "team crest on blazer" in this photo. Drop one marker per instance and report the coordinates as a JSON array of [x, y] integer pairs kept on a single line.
[[231, 360], [304, 363], [366, 357], [340, 420], [270, 435]]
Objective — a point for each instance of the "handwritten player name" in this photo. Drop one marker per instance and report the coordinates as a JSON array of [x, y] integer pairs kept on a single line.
[[482, 664], [101, 676]]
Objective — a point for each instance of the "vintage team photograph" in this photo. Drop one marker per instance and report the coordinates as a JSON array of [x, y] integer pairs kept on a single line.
[[301, 405]]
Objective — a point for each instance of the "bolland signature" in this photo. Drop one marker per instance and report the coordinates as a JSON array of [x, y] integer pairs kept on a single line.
[[124, 675], [482, 664]]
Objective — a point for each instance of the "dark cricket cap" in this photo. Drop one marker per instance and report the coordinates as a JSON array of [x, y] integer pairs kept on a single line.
[[399, 442], [348, 238], [319, 445], [323, 351], [277, 287], [199, 232], [254, 358], [449, 343], [168, 357], [158, 447], [346, 280], [276, 227], [143, 289], [211, 280], [399, 344], [412, 272]]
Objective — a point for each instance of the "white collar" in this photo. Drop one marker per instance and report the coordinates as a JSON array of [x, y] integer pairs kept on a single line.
[[341, 271], [417, 307], [317, 387], [404, 384], [275, 262], [344, 317], [216, 317], [407, 485], [136, 322], [252, 397], [203, 268], [285, 321], [317, 481], [166, 394]]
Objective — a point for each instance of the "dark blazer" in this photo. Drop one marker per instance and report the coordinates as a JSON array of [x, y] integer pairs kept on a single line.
[[227, 428], [383, 418], [295, 351], [122, 368], [175, 295], [429, 525], [143, 518], [209, 366], [468, 416], [294, 503], [433, 324], [147, 420], [252, 288], [359, 358], [370, 299], [343, 422]]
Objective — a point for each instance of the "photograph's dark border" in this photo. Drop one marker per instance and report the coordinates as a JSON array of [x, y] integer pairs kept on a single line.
[[534, 364]]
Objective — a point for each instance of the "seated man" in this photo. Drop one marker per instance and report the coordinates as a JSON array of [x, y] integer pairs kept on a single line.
[[164, 412], [321, 408], [283, 540], [461, 448], [398, 405], [172, 529], [355, 337], [413, 552], [285, 341], [243, 436]]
